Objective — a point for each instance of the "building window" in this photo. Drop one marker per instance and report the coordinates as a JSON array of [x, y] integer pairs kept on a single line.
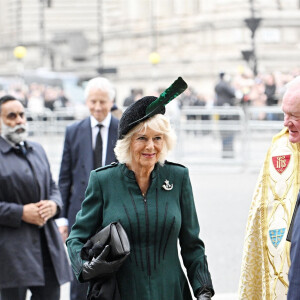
[[270, 35]]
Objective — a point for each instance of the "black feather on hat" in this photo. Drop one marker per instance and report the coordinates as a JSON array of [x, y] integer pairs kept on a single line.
[[149, 106]]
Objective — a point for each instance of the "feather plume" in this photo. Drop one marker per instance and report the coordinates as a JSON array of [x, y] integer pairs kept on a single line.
[[178, 87]]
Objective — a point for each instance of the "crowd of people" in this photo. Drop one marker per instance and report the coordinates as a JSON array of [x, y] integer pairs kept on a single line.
[[262, 90], [36, 96], [257, 91]]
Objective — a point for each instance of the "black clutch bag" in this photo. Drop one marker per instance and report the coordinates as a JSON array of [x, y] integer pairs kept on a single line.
[[113, 235]]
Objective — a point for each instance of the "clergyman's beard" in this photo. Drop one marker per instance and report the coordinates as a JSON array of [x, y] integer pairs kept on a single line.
[[15, 134]]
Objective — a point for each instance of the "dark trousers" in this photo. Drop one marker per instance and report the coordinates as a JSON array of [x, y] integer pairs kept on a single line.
[[227, 144], [78, 290], [49, 291], [46, 292]]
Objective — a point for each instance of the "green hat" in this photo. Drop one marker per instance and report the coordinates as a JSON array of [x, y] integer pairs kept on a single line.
[[149, 106]]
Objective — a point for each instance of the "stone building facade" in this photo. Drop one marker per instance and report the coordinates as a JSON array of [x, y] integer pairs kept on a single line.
[[194, 38]]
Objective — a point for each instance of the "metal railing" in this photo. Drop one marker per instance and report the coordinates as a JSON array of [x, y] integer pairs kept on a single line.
[[200, 132], [52, 122]]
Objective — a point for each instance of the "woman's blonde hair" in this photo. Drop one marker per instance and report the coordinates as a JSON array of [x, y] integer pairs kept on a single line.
[[158, 123]]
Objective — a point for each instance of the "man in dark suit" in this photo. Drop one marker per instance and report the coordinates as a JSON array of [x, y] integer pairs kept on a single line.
[[82, 154], [32, 254]]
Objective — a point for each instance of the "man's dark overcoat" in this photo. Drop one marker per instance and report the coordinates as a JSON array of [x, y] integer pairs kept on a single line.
[[77, 163], [25, 180]]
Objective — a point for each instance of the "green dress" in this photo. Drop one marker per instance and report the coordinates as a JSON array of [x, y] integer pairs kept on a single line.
[[153, 223]]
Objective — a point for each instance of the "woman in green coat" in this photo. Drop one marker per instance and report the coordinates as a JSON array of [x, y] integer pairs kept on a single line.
[[153, 200]]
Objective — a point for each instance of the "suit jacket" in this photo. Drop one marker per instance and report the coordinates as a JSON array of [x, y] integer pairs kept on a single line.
[[23, 180], [77, 163]]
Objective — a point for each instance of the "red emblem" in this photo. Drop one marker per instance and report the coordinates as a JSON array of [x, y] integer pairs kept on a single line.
[[281, 162]]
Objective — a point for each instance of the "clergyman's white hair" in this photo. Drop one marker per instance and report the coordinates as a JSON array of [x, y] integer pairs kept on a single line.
[[158, 123]]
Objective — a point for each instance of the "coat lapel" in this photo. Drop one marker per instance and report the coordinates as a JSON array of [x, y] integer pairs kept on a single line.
[[111, 142], [86, 149]]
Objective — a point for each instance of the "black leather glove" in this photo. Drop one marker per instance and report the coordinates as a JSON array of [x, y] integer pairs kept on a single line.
[[204, 296], [99, 267]]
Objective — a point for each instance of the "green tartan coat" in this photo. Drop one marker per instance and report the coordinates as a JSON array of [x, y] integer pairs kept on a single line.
[[153, 223]]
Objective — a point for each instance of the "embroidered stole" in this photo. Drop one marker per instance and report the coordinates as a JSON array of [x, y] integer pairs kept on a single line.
[[266, 260]]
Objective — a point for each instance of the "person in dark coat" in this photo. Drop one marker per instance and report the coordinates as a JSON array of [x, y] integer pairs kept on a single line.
[[225, 96], [78, 160], [153, 201], [32, 254], [270, 92]]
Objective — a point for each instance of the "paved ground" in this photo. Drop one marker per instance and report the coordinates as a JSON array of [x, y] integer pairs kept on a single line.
[[222, 200], [222, 195]]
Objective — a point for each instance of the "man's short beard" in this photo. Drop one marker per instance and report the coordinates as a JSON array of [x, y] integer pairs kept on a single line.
[[15, 134]]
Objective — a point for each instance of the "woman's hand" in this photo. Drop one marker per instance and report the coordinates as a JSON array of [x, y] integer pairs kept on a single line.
[[99, 267]]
